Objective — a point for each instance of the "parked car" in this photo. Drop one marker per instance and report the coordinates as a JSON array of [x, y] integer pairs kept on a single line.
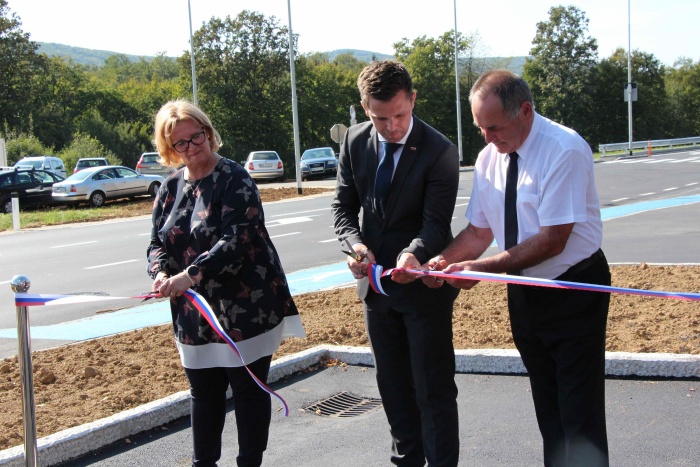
[[49, 163], [95, 185], [264, 165], [33, 188], [86, 162], [149, 163], [318, 162]]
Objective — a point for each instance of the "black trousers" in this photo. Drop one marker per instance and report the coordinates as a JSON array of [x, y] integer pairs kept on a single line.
[[208, 412], [560, 335], [415, 365]]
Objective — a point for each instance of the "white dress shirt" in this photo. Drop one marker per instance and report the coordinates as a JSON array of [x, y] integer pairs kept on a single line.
[[556, 185]]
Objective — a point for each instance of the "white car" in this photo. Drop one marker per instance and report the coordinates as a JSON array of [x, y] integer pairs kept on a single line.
[[49, 163], [95, 185], [264, 165]]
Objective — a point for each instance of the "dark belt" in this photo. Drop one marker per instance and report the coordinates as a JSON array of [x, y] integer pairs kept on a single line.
[[585, 264]]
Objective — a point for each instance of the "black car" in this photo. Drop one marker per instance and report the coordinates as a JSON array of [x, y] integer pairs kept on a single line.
[[33, 188]]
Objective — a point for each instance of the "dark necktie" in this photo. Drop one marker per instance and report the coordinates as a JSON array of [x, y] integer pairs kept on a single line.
[[511, 213], [384, 174]]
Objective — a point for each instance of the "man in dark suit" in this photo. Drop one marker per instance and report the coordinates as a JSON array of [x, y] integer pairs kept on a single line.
[[407, 200]]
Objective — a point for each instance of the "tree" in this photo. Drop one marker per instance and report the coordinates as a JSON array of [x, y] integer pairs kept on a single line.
[[561, 70], [18, 65], [243, 82], [431, 63], [683, 90], [649, 114]]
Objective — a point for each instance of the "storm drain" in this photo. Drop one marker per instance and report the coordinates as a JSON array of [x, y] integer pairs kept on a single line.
[[343, 405]]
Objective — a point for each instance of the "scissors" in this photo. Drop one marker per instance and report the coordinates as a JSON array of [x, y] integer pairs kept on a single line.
[[351, 252]]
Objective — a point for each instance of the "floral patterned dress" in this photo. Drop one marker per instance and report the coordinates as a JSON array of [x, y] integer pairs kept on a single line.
[[217, 223]]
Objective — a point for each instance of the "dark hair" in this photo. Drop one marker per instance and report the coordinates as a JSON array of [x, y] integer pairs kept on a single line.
[[510, 89], [383, 79]]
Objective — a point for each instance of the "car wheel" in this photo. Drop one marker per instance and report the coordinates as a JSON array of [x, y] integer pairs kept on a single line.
[[97, 199], [153, 189], [7, 206]]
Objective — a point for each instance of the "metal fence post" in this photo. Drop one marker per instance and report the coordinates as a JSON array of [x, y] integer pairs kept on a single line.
[[21, 284]]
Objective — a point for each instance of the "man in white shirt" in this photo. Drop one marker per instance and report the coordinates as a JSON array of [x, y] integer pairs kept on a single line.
[[560, 334]]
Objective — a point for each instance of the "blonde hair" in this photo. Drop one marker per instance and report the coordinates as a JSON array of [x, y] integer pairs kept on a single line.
[[168, 116]]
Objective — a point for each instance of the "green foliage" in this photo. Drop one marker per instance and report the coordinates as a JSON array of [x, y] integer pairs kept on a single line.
[[561, 72], [18, 63], [610, 113], [683, 89], [243, 82], [432, 66], [85, 146], [25, 145]]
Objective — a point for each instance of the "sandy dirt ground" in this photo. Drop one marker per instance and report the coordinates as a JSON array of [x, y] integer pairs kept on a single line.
[[83, 382]]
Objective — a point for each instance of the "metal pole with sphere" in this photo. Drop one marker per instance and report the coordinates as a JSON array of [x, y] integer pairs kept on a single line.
[[21, 284], [194, 73]]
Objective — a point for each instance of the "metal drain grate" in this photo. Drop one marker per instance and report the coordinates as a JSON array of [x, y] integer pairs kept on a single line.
[[343, 405]]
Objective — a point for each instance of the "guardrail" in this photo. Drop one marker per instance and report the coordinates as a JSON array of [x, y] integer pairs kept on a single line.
[[646, 144]]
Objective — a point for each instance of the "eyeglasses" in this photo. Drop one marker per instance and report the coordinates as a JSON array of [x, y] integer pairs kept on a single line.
[[196, 139]]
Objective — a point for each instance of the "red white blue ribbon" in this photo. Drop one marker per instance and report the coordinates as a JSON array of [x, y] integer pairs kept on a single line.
[[196, 300], [376, 270], [201, 305]]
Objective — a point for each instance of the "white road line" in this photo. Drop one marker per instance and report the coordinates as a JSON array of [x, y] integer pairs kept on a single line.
[[660, 160], [647, 194], [291, 220], [328, 241], [463, 197], [5, 282], [300, 212], [143, 235], [617, 200], [691, 184], [458, 205], [112, 264], [73, 244], [670, 189], [284, 235]]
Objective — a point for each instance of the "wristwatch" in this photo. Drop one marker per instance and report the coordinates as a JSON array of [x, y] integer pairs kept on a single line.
[[192, 272]]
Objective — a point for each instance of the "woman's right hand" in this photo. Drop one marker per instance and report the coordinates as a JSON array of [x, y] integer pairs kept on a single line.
[[158, 282]]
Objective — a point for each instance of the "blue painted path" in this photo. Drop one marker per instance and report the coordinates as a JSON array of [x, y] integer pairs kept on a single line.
[[309, 280]]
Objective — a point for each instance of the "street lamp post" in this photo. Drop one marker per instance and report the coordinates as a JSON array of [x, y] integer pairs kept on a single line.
[[629, 76], [295, 116], [194, 74], [459, 107]]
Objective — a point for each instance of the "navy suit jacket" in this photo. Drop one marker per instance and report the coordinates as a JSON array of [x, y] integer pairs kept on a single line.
[[419, 207]]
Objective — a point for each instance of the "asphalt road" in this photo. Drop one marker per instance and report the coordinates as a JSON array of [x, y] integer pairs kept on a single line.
[[110, 256]]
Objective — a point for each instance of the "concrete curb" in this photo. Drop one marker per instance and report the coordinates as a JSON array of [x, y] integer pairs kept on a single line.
[[77, 441]]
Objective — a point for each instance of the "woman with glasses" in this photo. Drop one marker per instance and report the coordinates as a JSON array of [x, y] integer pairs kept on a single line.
[[209, 235]]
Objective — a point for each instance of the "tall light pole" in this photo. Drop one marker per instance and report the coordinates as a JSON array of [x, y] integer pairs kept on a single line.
[[629, 76], [295, 116], [194, 74], [459, 107]]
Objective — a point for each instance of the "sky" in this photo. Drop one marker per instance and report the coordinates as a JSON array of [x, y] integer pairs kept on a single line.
[[667, 29]]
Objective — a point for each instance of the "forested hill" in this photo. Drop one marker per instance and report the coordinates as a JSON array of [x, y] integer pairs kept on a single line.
[[97, 58]]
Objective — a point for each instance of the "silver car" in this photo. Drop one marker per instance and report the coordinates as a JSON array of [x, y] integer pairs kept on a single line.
[[95, 185], [149, 164], [264, 165], [318, 162]]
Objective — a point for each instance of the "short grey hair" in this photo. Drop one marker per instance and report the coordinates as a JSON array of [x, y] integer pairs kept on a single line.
[[510, 89]]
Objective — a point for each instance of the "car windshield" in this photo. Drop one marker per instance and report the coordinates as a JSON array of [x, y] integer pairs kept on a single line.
[[151, 158], [265, 156], [318, 153], [35, 163]]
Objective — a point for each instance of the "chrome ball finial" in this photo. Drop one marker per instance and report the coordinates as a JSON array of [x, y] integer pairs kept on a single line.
[[20, 284]]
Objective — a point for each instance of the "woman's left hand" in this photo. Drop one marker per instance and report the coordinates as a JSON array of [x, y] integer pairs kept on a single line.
[[175, 286]]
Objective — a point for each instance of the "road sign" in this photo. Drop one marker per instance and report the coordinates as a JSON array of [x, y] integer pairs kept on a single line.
[[338, 132]]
